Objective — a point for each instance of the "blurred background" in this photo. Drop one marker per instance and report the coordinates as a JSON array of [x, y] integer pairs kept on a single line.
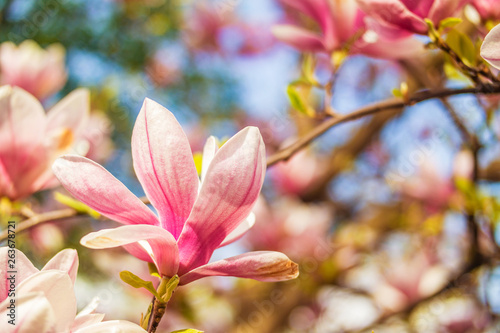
[[375, 211]]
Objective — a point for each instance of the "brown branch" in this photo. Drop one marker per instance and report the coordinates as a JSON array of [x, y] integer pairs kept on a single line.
[[41, 218], [408, 309], [387, 105], [423, 79], [48, 217]]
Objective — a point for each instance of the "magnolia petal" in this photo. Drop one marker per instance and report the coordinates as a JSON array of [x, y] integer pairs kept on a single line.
[[114, 326], [164, 165], [227, 195], [97, 188], [163, 248], [490, 50], [264, 266], [66, 261], [386, 42], [70, 112], [442, 9], [209, 151], [89, 308], [299, 38], [22, 120], [58, 289], [318, 10], [22, 264], [86, 320], [240, 230], [393, 12], [34, 314], [138, 251]]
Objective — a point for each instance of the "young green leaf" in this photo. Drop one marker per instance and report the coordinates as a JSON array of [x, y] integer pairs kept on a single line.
[[153, 271], [76, 205], [463, 46], [308, 67], [136, 282], [449, 22], [188, 330], [297, 101]]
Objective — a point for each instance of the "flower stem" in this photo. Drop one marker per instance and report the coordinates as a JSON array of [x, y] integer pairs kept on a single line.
[[158, 305]]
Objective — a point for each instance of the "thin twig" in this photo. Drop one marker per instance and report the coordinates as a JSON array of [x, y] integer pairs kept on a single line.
[[387, 105], [48, 217]]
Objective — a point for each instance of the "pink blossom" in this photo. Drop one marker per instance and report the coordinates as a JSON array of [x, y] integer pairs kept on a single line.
[[208, 22], [490, 50], [410, 15], [204, 25], [45, 300], [293, 227], [342, 23], [429, 187], [463, 165], [94, 141], [31, 139], [164, 69], [40, 72], [297, 174], [488, 9], [411, 279], [194, 219]]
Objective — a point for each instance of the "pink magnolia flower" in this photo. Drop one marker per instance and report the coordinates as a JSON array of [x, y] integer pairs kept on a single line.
[[204, 26], [488, 9], [293, 227], [490, 50], [164, 68], [45, 300], [341, 23], [194, 219], [28, 66], [297, 174], [94, 141], [209, 25], [31, 139], [410, 15], [409, 280], [429, 187]]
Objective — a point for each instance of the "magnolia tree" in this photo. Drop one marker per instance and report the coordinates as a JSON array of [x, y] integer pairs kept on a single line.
[[352, 141]]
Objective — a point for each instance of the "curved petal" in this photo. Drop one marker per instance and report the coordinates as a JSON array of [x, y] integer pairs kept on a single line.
[[227, 195], [115, 326], [442, 9], [22, 152], [66, 261], [394, 12], [319, 10], [70, 112], [299, 38], [209, 151], [490, 50], [90, 307], [22, 265], [265, 266], [240, 230], [33, 315], [97, 188], [164, 165], [86, 320], [163, 248], [58, 289], [386, 42], [22, 120]]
